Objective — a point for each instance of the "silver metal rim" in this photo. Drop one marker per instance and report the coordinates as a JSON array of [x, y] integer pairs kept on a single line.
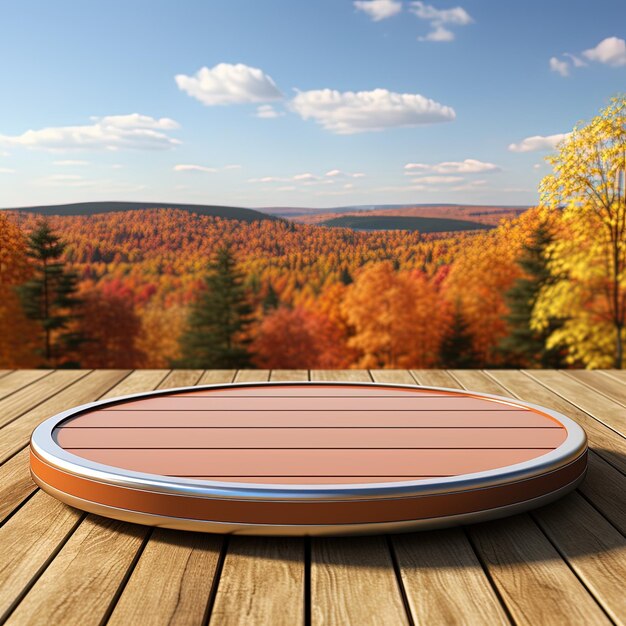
[[46, 448]]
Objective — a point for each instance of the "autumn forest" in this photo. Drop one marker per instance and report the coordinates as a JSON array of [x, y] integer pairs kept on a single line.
[[167, 287]]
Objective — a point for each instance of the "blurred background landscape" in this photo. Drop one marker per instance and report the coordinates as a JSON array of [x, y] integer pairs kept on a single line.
[[383, 204]]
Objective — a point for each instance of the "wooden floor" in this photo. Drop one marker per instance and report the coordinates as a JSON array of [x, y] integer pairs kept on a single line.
[[562, 564]]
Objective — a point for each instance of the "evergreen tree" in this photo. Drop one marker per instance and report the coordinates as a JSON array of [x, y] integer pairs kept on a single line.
[[524, 346], [215, 335], [271, 299], [49, 298], [457, 349], [346, 277]]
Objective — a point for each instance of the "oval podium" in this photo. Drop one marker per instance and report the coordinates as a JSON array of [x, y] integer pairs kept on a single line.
[[308, 458]]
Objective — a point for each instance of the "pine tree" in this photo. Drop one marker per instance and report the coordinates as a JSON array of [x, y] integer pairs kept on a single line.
[[457, 349], [523, 346], [271, 299], [49, 298], [215, 335], [346, 277]]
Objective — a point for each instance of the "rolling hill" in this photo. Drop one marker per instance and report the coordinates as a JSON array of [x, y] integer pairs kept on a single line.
[[95, 208], [403, 222]]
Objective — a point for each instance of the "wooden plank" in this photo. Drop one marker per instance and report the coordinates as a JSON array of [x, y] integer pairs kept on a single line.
[[348, 376], [600, 382], [605, 487], [15, 435], [444, 581], [172, 581], [80, 583], [216, 377], [353, 582], [289, 375], [344, 572], [522, 563], [262, 582], [398, 377], [29, 540], [434, 378], [431, 564], [138, 381], [605, 441], [15, 483], [534, 581], [21, 401], [252, 376], [595, 550], [5, 372], [20, 378], [595, 404]]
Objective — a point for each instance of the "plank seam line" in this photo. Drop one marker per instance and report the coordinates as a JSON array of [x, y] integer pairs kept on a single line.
[[399, 582], [37, 575], [70, 449], [599, 511], [574, 404], [488, 575], [594, 389], [32, 382], [18, 506], [217, 577], [54, 394], [309, 427], [555, 545], [127, 575]]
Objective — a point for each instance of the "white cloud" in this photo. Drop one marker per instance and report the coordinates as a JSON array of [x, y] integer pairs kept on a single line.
[[349, 112], [232, 166], [305, 176], [439, 33], [6, 170], [70, 162], [474, 185], [229, 84], [436, 180], [538, 142], [611, 51], [184, 167], [342, 174], [114, 132], [438, 18], [576, 61], [379, 9], [561, 67], [268, 179], [268, 112], [468, 166]]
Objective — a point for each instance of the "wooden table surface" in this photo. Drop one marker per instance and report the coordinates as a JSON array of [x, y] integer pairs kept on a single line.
[[562, 564]]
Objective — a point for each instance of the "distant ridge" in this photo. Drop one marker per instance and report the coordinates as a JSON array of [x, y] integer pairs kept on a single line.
[[93, 208], [395, 222]]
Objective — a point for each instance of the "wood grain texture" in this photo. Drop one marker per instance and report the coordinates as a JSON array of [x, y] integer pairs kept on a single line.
[[30, 396], [89, 569], [605, 410], [15, 483], [29, 539], [15, 435], [262, 582], [536, 584], [444, 581], [14, 381], [172, 581], [353, 582], [595, 549], [600, 382]]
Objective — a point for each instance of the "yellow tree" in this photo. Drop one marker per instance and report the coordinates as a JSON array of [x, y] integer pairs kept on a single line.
[[588, 257]]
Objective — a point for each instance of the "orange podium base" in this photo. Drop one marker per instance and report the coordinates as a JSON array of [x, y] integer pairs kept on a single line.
[[308, 458]]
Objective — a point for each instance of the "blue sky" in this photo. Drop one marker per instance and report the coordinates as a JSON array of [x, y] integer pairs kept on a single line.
[[294, 103]]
